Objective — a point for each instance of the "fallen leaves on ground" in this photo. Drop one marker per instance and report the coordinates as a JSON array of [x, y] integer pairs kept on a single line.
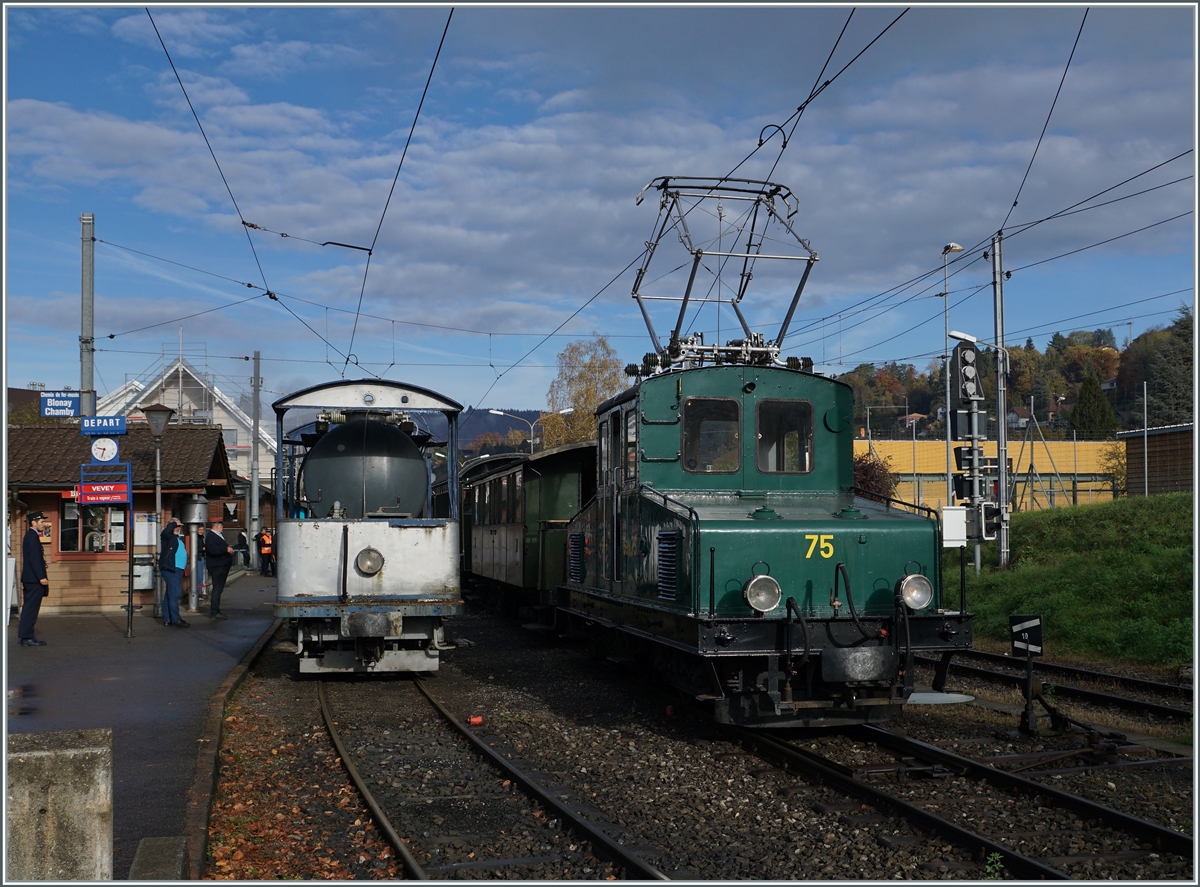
[[284, 807]]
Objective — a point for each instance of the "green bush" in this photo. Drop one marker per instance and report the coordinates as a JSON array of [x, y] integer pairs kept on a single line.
[[1111, 581]]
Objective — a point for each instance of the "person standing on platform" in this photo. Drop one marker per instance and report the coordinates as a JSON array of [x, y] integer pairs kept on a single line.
[[266, 552], [201, 590], [34, 583], [172, 563], [220, 558], [243, 548]]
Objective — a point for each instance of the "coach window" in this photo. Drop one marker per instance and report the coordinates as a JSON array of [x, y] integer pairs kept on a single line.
[[504, 500], [91, 528], [711, 435], [617, 447], [631, 443], [518, 509], [602, 462], [785, 433]]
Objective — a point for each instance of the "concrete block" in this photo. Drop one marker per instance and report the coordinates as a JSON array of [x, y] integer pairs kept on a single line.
[[60, 806], [160, 859]]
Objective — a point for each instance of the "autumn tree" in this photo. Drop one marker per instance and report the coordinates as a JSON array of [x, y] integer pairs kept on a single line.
[[589, 373]]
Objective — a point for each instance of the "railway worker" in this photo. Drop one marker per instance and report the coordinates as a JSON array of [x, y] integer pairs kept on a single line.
[[220, 558], [34, 584], [266, 552], [172, 563]]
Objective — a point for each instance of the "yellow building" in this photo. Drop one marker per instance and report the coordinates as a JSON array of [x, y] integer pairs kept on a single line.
[[1047, 474]]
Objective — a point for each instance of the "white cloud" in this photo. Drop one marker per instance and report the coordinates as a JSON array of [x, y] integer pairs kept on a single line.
[[190, 33]]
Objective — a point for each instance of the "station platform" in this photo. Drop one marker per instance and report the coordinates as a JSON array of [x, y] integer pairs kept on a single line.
[[155, 691]]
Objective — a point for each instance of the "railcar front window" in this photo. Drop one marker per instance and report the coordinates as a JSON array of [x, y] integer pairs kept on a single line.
[[711, 435], [784, 432]]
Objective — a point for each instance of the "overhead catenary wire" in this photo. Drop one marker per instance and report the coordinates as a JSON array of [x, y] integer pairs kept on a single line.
[[395, 179], [1050, 114], [221, 172]]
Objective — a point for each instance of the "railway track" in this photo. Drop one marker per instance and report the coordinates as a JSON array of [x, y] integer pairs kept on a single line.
[[1010, 672], [1007, 823], [457, 804]]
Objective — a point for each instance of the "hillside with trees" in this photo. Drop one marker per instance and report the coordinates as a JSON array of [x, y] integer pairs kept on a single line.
[[1082, 382]]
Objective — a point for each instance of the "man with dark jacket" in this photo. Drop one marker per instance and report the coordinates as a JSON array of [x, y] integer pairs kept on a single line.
[[219, 556], [34, 583]]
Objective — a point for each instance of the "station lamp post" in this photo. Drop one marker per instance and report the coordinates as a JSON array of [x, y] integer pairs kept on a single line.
[[158, 416]]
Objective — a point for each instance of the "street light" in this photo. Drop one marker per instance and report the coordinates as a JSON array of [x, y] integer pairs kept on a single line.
[[951, 247], [1002, 539], [526, 421], [158, 416], [565, 412]]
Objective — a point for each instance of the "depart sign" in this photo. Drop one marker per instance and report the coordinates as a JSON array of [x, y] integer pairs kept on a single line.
[[92, 426]]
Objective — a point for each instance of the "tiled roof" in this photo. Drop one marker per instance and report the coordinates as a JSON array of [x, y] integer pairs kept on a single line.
[[192, 455]]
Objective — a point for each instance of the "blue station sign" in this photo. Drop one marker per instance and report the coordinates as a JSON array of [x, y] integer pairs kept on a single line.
[[60, 403], [90, 426]]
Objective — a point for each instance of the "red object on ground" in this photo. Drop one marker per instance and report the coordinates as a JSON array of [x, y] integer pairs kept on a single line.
[[475, 721]]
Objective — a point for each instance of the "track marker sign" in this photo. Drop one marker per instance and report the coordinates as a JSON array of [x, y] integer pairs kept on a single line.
[[1026, 634]]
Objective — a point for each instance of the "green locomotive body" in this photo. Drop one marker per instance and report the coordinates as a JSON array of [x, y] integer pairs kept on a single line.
[[725, 548]]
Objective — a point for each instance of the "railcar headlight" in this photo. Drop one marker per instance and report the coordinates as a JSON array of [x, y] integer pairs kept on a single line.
[[762, 593], [369, 561], [916, 591]]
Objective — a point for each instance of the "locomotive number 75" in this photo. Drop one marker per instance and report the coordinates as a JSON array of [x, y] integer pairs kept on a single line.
[[825, 541]]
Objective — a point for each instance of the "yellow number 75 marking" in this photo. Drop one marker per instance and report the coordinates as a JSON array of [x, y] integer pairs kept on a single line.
[[826, 543]]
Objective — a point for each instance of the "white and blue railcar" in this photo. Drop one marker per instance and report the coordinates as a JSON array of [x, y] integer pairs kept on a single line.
[[366, 573]]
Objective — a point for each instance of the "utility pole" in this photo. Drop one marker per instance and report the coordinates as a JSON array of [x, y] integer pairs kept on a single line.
[[1001, 404], [255, 384], [87, 326]]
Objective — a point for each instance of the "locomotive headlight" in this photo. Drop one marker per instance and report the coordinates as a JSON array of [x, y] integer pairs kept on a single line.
[[369, 561], [916, 591], [762, 593]]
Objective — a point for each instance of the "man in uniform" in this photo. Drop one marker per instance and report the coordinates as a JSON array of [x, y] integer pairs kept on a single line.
[[219, 556], [34, 583], [266, 552]]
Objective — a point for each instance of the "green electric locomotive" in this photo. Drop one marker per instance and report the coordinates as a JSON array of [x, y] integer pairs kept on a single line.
[[726, 544], [721, 542]]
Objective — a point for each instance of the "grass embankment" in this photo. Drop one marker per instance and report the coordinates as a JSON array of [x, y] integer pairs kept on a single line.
[[1111, 581]]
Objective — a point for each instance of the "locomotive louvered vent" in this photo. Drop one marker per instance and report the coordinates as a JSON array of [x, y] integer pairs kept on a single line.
[[575, 557], [668, 564]]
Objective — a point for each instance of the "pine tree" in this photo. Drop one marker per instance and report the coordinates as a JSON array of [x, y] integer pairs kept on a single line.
[[1171, 386], [1093, 412]]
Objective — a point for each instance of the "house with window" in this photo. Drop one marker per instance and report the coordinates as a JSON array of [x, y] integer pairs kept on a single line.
[[197, 400], [86, 546]]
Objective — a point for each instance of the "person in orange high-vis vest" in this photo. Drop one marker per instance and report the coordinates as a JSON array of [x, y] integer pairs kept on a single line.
[[266, 553]]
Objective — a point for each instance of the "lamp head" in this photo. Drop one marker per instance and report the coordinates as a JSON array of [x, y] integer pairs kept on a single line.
[[496, 412], [158, 416], [963, 337], [951, 248]]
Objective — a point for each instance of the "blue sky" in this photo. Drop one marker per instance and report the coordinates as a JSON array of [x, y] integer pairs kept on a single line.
[[515, 204]]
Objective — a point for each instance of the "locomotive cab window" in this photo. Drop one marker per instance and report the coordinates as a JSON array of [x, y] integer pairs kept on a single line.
[[711, 435], [784, 437]]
